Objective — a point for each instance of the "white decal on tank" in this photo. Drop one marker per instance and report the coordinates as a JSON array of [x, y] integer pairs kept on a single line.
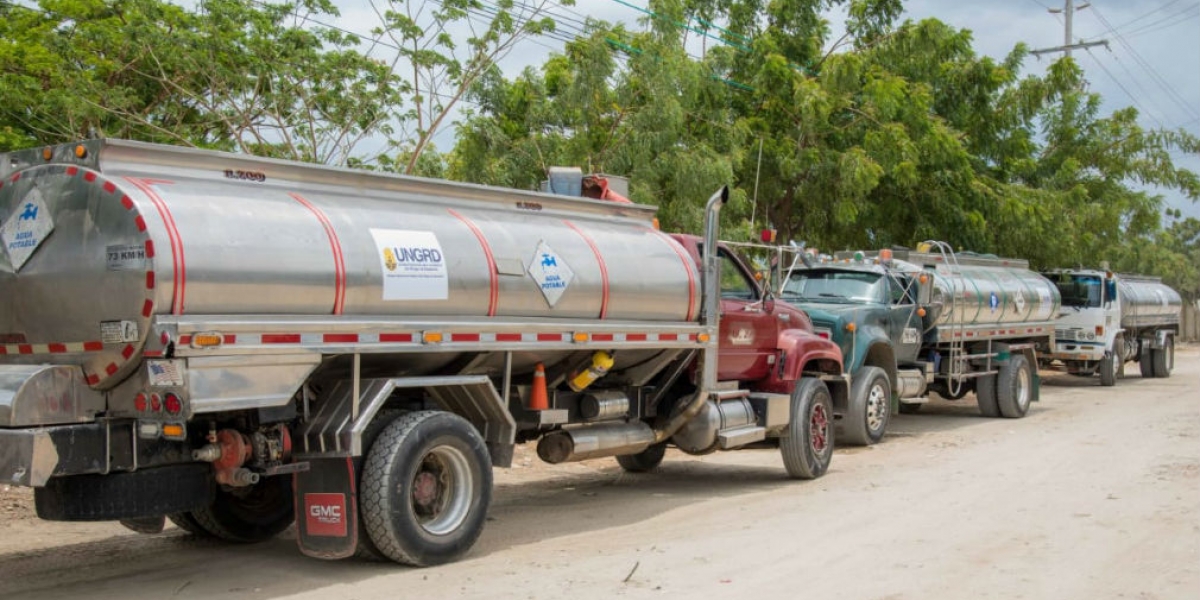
[[118, 332], [125, 257], [26, 228], [412, 263], [552, 274]]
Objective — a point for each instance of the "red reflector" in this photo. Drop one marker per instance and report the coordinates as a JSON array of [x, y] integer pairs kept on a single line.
[[155, 403], [172, 403], [823, 335], [139, 402]]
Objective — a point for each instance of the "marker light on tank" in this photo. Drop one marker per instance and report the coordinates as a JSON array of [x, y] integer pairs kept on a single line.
[[885, 255]]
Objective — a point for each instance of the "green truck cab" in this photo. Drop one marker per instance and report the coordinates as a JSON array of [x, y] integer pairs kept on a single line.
[[910, 322]]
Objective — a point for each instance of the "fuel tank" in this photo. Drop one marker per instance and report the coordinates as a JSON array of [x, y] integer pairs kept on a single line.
[[1147, 302], [103, 236]]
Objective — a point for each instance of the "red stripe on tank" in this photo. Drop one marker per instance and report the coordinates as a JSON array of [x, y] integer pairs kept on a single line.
[[57, 348], [493, 276], [687, 266], [392, 338], [179, 272], [281, 338], [599, 261], [335, 246], [93, 346]]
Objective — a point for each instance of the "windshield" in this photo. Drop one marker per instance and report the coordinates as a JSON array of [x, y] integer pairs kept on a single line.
[[1079, 290], [835, 286]]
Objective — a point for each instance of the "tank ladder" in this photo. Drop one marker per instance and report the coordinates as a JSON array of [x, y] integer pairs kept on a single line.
[[958, 340]]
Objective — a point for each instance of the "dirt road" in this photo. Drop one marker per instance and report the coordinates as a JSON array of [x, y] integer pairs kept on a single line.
[[1096, 494]]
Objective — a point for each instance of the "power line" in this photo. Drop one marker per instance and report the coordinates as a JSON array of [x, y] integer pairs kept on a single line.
[[1147, 14], [1167, 21], [1068, 11], [1127, 92], [1146, 66]]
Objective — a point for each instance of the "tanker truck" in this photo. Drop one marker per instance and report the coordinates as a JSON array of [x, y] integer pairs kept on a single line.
[[233, 342], [909, 322], [1109, 319]]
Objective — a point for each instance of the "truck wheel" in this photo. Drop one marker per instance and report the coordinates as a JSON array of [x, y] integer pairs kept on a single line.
[[1110, 366], [1146, 359], [366, 549], [807, 447], [427, 484], [249, 514], [985, 393], [1162, 360], [188, 523], [644, 461], [1014, 387], [870, 408]]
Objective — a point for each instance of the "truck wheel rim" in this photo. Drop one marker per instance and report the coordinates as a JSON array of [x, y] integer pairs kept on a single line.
[[818, 428], [1023, 386], [1116, 366], [876, 407], [441, 490]]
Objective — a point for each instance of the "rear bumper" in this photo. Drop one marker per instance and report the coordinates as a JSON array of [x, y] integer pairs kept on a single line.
[[30, 457]]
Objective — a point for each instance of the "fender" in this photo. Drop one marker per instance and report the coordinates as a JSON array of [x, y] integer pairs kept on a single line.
[[861, 343], [798, 348]]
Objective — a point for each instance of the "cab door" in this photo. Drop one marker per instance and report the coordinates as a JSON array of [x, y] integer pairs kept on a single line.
[[904, 324], [749, 328]]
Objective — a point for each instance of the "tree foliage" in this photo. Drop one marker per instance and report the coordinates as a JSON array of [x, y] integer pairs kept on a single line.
[[893, 133]]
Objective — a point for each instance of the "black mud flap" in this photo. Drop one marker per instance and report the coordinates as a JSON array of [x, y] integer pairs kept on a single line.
[[327, 508]]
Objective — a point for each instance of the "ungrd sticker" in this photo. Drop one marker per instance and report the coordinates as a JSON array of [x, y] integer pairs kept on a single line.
[[26, 228], [412, 264]]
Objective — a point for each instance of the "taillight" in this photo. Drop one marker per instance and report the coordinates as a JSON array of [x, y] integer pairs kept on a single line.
[[155, 402], [139, 402], [172, 403]]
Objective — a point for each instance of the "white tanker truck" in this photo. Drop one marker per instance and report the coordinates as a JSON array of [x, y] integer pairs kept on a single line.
[[231, 342], [1109, 319], [913, 321]]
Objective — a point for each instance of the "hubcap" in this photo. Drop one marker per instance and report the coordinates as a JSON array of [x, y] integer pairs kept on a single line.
[[818, 428], [877, 406], [441, 490]]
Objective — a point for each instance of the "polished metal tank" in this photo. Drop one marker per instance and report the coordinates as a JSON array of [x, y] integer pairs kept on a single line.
[[102, 237], [971, 290], [1147, 302], [998, 294]]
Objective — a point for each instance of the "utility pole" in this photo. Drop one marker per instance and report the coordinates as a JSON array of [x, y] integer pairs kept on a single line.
[[1068, 12]]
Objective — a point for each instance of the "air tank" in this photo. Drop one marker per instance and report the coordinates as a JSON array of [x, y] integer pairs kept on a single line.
[[1147, 302], [103, 237]]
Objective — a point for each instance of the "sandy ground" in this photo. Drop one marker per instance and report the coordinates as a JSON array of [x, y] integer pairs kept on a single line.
[[1094, 495]]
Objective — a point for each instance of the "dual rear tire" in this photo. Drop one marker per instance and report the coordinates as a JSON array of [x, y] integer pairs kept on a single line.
[[1009, 392]]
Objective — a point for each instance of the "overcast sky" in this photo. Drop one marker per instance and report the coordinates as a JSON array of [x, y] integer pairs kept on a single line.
[[1152, 61]]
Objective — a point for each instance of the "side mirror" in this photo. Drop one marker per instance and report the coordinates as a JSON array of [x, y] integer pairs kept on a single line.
[[1110, 290]]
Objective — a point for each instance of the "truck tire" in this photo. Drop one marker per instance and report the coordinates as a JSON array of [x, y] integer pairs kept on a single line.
[[645, 461], [870, 408], [1145, 359], [985, 394], [248, 515], [427, 485], [1014, 387], [1162, 360], [1109, 368], [366, 549], [807, 447], [188, 523]]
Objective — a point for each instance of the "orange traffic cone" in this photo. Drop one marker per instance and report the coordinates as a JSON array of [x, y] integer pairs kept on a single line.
[[538, 398]]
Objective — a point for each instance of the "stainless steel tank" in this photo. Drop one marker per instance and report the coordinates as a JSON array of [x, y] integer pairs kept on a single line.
[[97, 246], [1147, 302], [983, 290]]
